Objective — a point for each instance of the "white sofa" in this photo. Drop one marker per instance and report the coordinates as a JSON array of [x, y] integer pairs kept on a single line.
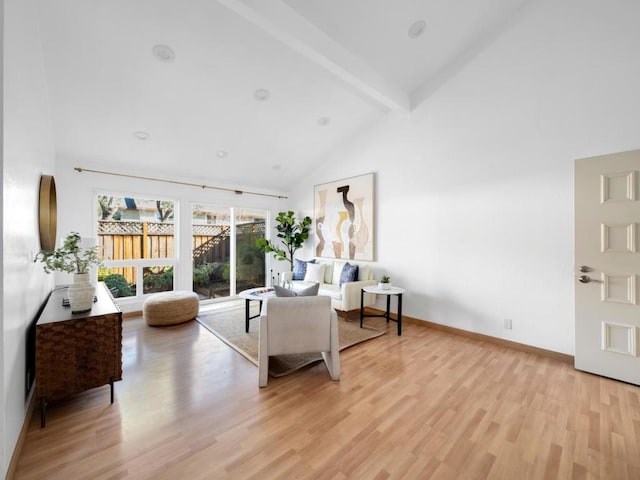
[[345, 297]]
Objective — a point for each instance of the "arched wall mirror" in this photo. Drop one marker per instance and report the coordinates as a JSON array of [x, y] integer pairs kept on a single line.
[[48, 213]]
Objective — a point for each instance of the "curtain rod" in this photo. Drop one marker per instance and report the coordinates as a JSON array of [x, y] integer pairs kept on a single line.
[[237, 192]]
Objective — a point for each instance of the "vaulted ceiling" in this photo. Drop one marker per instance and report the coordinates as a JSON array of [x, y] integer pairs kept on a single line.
[[330, 69]]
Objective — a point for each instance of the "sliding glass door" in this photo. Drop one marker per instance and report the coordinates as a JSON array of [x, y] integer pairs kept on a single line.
[[249, 266], [225, 257], [211, 240]]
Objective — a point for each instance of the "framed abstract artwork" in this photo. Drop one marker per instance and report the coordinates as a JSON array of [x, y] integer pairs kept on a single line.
[[343, 214]]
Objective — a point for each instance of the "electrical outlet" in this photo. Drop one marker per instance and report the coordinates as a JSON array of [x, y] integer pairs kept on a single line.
[[508, 324]]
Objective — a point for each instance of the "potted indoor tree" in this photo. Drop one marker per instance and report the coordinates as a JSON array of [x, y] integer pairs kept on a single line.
[[72, 258], [292, 235]]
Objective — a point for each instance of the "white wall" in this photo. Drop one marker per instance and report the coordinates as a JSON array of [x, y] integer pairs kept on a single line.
[[2, 375], [27, 154], [475, 185], [77, 207]]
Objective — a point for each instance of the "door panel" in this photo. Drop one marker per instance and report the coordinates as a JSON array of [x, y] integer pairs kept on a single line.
[[250, 260], [607, 212]]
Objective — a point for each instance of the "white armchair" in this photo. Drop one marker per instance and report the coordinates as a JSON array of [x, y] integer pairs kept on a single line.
[[298, 325]]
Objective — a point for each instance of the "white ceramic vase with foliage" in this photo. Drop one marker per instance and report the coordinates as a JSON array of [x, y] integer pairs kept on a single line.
[[72, 258], [81, 293]]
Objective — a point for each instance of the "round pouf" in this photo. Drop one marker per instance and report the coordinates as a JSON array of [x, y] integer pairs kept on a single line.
[[170, 308]]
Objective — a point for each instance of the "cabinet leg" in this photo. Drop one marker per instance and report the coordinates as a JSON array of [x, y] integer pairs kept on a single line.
[[111, 385], [43, 411]]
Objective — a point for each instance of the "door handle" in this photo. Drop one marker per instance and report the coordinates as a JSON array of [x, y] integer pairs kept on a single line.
[[588, 279]]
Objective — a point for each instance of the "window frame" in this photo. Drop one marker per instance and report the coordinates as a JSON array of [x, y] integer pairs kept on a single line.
[[141, 263]]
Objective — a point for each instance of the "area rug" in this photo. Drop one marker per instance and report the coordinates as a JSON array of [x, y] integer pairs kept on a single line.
[[227, 323]]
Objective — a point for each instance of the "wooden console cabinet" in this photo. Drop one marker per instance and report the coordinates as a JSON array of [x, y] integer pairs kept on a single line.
[[77, 351]]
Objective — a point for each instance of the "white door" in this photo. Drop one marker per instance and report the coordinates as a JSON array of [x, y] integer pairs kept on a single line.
[[607, 213]]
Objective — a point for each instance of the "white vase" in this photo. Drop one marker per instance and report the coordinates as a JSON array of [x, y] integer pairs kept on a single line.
[[384, 286], [81, 293]]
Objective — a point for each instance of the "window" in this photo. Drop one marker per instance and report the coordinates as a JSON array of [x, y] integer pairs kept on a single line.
[[137, 243]]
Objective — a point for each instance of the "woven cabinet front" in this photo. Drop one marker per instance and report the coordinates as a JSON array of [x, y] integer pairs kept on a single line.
[[78, 354]]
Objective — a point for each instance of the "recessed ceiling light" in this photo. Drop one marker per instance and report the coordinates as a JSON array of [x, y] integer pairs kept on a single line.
[[222, 153], [140, 135], [163, 53], [324, 121], [261, 94], [417, 29]]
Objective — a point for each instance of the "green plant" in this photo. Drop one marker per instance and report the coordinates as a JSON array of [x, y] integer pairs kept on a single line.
[[208, 273], [291, 233], [250, 261], [385, 279], [201, 275], [70, 257], [160, 278], [118, 285]]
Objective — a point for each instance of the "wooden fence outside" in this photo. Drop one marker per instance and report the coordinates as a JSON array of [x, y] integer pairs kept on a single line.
[[119, 240]]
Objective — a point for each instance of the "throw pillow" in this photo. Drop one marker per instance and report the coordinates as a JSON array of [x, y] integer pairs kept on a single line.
[[311, 291], [315, 273], [338, 265], [300, 268], [283, 292], [328, 270], [349, 273]]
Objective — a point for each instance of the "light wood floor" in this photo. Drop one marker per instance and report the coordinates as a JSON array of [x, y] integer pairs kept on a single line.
[[425, 405]]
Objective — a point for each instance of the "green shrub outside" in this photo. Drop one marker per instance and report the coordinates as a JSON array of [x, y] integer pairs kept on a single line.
[[118, 285], [208, 273], [160, 281]]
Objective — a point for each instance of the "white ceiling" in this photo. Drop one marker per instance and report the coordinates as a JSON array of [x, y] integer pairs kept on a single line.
[[351, 61]]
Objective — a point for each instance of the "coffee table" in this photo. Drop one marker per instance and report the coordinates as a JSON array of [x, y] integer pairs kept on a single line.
[[258, 294], [388, 292]]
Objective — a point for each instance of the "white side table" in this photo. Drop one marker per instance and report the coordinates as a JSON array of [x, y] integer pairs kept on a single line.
[[378, 291], [258, 295]]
